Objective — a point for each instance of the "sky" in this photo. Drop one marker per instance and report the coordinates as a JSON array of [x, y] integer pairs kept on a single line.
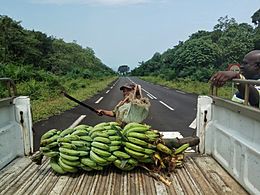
[[125, 31]]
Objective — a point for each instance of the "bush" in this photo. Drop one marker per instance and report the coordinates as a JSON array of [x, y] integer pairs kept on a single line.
[[74, 86], [31, 88], [86, 74]]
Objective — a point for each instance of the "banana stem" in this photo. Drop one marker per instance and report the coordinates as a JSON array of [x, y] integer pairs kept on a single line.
[[157, 176], [37, 157]]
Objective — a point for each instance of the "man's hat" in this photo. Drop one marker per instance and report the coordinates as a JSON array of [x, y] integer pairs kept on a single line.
[[128, 86]]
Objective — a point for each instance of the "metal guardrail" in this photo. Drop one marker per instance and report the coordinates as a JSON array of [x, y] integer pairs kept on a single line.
[[214, 90], [10, 85]]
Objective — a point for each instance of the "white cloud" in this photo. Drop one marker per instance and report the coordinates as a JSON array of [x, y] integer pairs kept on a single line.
[[92, 2]]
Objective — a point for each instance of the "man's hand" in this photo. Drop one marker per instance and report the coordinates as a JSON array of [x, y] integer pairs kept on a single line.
[[221, 77], [100, 112]]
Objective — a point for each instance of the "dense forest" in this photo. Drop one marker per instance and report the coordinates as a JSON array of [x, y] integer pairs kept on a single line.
[[40, 64], [205, 52]]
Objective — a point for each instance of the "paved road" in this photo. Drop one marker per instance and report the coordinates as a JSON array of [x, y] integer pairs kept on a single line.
[[171, 110]]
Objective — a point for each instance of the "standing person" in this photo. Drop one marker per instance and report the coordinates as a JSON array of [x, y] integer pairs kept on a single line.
[[133, 107], [126, 89], [250, 69]]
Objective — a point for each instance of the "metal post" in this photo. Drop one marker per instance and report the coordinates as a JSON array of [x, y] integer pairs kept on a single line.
[[246, 94], [211, 89], [233, 86], [8, 84]]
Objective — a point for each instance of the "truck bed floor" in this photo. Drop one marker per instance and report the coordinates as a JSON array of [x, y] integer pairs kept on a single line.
[[200, 175]]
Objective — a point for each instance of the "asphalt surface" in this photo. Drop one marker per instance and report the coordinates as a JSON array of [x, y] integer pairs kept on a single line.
[[171, 110]]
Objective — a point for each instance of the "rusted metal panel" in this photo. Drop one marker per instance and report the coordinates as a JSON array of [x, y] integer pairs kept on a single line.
[[200, 175]]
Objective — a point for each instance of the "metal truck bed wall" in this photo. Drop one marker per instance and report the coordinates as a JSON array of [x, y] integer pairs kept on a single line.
[[15, 128], [230, 132], [200, 175]]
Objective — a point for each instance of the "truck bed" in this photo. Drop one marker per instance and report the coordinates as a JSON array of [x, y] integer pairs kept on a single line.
[[200, 175]]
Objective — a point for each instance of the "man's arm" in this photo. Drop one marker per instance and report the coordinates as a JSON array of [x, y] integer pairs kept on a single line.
[[220, 78], [102, 112]]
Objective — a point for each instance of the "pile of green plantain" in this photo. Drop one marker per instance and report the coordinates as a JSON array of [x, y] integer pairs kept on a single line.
[[93, 148]]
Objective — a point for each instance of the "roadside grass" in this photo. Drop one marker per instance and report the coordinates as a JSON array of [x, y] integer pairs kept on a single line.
[[54, 104], [190, 86]]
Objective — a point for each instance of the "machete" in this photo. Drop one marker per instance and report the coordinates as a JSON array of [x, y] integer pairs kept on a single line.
[[79, 102]]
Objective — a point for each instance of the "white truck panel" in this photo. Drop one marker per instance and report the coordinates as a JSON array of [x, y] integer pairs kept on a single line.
[[15, 138], [203, 116], [23, 113], [232, 137]]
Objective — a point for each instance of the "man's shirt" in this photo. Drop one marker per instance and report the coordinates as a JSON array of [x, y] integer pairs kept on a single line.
[[238, 98]]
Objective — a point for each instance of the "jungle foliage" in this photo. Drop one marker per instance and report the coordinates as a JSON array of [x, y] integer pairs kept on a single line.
[[41, 64], [204, 52]]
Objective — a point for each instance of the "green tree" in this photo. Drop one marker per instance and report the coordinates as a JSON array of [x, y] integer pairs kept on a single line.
[[256, 18], [123, 69], [257, 38], [204, 52], [224, 23], [198, 53], [11, 38], [235, 42], [25, 53]]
